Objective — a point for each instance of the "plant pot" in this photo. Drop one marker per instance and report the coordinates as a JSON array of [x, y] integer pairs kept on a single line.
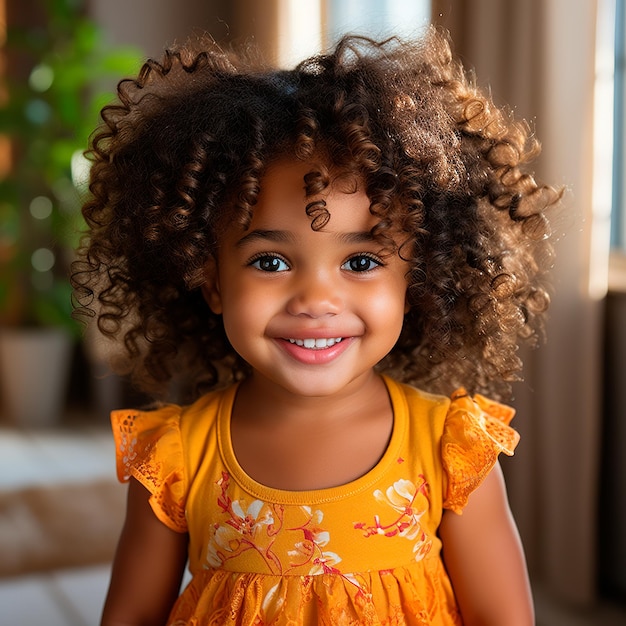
[[34, 373]]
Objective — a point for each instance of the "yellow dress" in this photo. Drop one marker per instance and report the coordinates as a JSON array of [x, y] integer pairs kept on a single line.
[[364, 553]]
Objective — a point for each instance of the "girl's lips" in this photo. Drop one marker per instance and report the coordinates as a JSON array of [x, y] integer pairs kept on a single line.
[[315, 351]]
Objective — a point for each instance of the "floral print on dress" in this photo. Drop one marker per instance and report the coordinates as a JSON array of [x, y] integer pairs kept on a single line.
[[310, 549], [245, 526], [254, 526], [410, 502]]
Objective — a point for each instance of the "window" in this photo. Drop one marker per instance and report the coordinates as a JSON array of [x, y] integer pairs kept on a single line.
[[305, 26], [376, 18], [610, 137], [618, 213]]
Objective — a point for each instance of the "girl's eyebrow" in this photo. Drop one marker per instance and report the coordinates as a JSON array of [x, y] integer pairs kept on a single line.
[[357, 237], [284, 236], [278, 236]]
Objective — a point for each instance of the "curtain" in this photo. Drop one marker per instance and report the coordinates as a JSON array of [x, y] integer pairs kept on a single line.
[[538, 56]]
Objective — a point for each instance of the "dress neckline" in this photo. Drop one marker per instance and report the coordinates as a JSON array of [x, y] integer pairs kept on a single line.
[[316, 496]]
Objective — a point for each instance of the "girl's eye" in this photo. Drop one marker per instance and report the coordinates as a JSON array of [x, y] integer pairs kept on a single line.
[[269, 263], [361, 263]]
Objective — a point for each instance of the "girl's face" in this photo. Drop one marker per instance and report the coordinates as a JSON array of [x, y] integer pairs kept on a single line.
[[310, 311]]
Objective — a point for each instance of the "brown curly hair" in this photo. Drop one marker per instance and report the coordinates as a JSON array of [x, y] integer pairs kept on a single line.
[[184, 150]]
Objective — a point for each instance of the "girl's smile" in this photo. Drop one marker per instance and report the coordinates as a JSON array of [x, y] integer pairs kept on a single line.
[[311, 311], [322, 350]]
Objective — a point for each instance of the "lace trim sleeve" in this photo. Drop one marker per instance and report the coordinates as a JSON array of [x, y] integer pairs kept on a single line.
[[148, 447], [476, 431]]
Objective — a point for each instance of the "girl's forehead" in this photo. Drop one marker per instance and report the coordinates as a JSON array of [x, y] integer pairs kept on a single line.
[[283, 197], [298, 181], [284, 170]]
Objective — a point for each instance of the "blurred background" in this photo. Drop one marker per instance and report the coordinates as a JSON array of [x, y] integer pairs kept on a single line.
[[559, 64]]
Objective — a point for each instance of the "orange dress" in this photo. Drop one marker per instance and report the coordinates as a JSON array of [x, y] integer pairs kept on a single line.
[[364, 553]]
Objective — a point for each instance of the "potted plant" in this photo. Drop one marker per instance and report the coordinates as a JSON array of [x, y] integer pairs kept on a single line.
[[58, 76]]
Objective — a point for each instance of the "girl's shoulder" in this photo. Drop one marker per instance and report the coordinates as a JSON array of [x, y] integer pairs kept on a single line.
[[160, 448], [464, 433], [456, 412], [153, 423], [169, 424]]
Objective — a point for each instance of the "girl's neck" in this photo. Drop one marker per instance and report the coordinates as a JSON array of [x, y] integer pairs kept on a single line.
[[260, 400], [300, 443]]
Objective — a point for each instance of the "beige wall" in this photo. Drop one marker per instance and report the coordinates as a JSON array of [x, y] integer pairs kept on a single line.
[[153, 24]]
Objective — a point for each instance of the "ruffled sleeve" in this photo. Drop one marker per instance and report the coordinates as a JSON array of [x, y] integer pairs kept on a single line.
[[148, 447], [475, 432]]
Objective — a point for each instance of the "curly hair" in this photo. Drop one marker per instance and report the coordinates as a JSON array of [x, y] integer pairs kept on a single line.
[[184, 149]]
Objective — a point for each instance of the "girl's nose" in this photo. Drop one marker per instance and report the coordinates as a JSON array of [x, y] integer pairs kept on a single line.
[[315, 296]]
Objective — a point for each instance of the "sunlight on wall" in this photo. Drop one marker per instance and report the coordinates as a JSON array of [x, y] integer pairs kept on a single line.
[[377, 18], [603, 151], [307, 26], [300, 30]]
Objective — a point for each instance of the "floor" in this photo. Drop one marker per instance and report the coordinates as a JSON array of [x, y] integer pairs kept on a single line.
[[40, 457], [66, 598], [75, 597]]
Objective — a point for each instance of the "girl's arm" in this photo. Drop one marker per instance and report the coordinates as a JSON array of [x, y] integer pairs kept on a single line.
[[148, 566], [484, 558]]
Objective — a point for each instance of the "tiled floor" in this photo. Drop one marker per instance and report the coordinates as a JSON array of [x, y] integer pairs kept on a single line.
[[64, 598], [46, 457], [75, 597], [40, 457]]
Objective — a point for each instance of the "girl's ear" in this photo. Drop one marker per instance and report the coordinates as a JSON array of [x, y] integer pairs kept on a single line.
[[211, 287]]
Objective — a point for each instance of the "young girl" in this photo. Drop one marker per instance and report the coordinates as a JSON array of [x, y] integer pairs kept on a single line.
[[288, 251]]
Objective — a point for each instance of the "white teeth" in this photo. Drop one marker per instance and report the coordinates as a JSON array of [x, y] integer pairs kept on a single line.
[[316, 343]]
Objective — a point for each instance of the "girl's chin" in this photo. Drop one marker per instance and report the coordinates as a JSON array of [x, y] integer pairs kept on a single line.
[[312, 385]]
